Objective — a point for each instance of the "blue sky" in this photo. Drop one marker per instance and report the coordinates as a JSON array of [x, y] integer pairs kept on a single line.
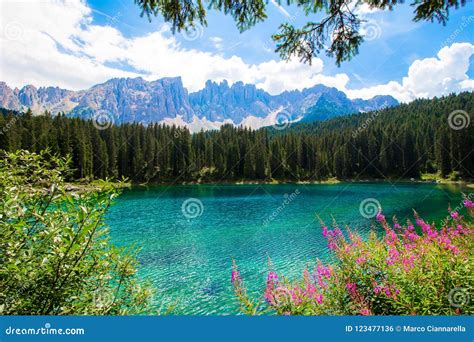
[[78, 43], [400, 41]]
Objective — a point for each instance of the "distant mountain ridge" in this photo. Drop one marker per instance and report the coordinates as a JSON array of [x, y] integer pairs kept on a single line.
[[166, 100]]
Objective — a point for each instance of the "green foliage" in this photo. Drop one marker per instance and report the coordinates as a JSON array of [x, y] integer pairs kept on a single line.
[[181, 14], [337, 33], [55, 254], [400, 273], [340, 28], [399, 142]]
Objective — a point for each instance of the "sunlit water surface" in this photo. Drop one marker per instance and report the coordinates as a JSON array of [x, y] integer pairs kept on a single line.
[[189, 259]]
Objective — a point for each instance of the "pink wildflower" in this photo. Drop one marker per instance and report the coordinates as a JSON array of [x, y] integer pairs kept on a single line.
[[365, 312], [444, 240], [391, 237], [295, 297], [380, 217], [411, 236], [268, 297], [272, 281], [352, 287], [425, 227], [324, 271], [321, 273], [310, 289], [393, 254], [408, 262], [235, 276], [272, 277], [335, 233], [319, 298], [468, 203], [453, 249], [432, 234], [325, 231], [455, 215], [391, 291]]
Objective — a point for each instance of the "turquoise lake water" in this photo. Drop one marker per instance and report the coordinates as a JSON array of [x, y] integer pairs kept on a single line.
[[188, 235]]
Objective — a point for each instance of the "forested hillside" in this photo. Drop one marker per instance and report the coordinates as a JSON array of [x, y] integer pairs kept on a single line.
[[399, 142]]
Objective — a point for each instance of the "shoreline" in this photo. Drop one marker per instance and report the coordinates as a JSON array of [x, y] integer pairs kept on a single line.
[[97, 185], [467, 183]]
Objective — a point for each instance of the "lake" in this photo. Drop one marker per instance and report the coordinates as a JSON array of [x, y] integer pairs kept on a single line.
[[188, 235]]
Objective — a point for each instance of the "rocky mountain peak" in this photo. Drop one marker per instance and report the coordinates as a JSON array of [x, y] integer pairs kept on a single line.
[[166, 99]]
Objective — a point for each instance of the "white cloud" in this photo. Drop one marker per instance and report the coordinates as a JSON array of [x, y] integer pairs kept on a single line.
[[61, 46], [217, 42], [363, 9], [34, 40], [277, 76], [55, 42], [429, 77]]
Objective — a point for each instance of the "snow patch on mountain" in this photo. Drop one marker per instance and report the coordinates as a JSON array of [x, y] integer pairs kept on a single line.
[[196, 124], [167, 101]]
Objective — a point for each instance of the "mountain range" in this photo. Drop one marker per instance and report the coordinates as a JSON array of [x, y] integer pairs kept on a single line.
[[167, 101]]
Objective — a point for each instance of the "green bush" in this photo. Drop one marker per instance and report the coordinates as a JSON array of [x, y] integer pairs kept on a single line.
[[55, 254], [408, 271]]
